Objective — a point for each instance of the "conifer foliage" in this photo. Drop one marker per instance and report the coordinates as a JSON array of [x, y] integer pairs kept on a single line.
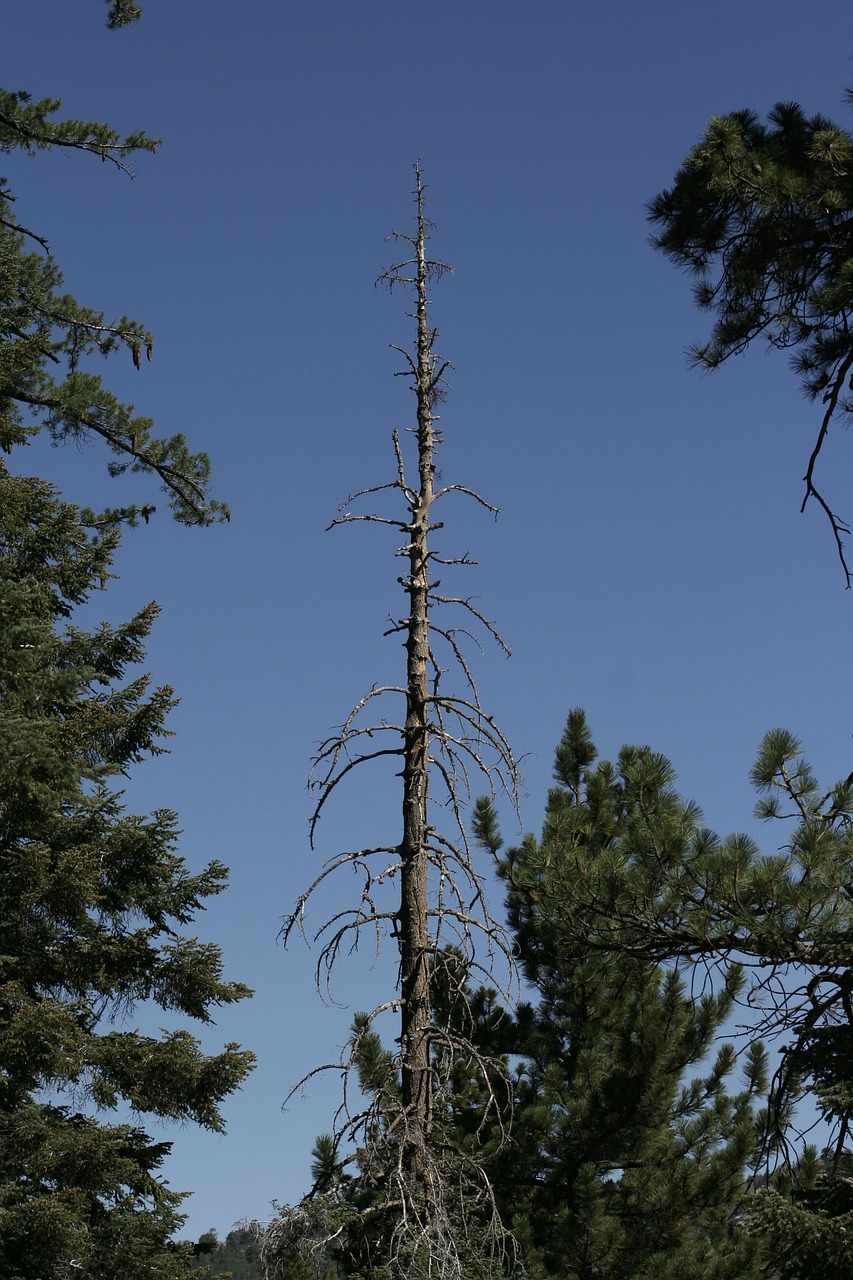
[[629, 1150], [761, 215], [625, 898], [48, 339], [93, 903]]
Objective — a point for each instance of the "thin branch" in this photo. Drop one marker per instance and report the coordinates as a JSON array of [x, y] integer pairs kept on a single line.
[[838, 526]]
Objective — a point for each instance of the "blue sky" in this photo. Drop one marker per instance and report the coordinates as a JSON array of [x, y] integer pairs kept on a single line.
[[649, 564]]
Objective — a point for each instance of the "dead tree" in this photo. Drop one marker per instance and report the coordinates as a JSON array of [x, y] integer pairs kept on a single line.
[[424, 891]]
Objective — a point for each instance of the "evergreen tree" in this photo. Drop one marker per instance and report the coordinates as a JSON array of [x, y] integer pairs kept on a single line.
[[93, 898], [626, 873], [48, 341], [618, 1147], [93, 903], [237, 1256], [628, 1154], [804, 1219], [761, 215]]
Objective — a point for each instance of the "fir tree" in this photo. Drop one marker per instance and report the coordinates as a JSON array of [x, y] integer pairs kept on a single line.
[[94, 901]]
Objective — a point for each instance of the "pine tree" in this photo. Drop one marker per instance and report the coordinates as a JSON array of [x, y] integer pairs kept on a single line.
[[628, 1154], [94, 900], [804, 1218], [761, 215], [626, 873]]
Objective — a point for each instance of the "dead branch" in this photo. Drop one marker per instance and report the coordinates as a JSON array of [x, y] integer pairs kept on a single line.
[[839, 527], [426, 889]]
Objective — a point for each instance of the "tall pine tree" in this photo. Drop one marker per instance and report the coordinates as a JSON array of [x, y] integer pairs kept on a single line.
[[94, 902], [626, 875], [629, 1153]]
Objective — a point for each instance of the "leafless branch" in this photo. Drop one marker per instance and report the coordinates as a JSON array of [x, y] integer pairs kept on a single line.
[[425, 890], [839, 527]]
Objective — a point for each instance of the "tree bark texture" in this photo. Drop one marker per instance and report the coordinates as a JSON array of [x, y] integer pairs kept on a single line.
[[414, 920]]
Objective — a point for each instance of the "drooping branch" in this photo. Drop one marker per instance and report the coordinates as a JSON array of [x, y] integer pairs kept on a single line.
[[839, 527]]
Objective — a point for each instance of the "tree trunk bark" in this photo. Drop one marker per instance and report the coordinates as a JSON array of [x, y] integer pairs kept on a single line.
[[414, 920]]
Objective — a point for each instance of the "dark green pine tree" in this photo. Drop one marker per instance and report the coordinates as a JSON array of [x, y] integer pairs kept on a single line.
[[94, 902], [804, 1219], [760, 214], [629, 1153]]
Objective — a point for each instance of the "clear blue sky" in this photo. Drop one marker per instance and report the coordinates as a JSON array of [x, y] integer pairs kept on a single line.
[[650, 563]]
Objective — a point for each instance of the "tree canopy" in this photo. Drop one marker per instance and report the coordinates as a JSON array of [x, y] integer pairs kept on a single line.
[[762, 215], [629, 1152], [623, 1132]]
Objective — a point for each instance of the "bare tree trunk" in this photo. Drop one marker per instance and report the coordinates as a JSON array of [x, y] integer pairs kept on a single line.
[[414, 920], [425, 890]]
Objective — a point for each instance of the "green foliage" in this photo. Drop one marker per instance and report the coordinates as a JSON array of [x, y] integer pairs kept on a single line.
[[760, 214], [237, 1256], [805, 1219], [633, 869], [638, 1140], [625, 896], [49, 342], [122, 12], [356, 1221], [77, 1194], [93, 901], [619, 1142], [628, 1152]]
